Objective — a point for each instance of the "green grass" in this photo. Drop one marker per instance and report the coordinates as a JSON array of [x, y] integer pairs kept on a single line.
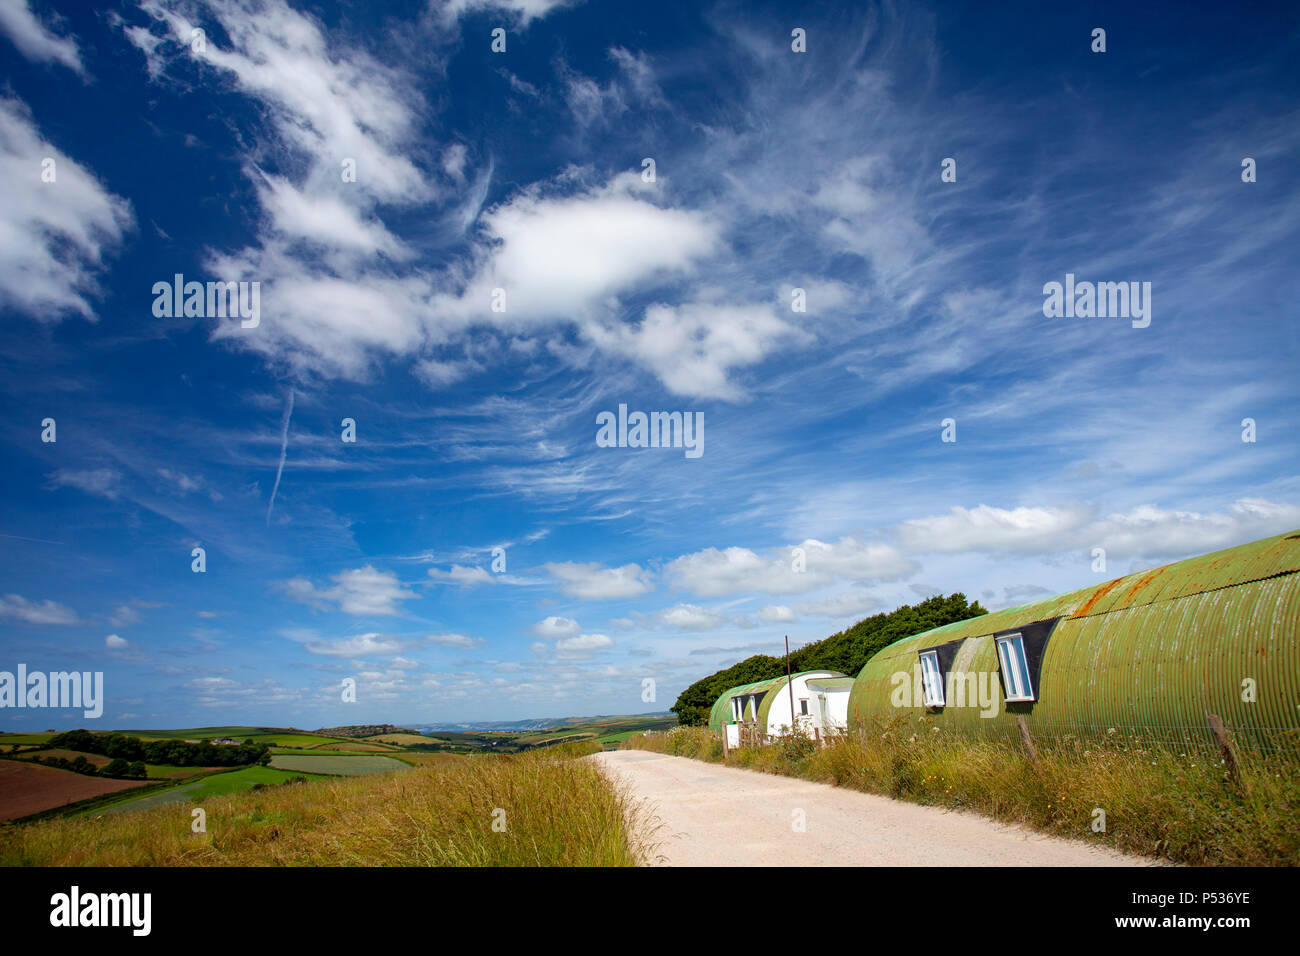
[[618, 737], [1176, 804], [336, 764], [557, 811], [213, 784]]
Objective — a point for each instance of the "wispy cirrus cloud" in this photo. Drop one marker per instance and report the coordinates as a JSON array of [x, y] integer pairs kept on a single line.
[[35, 40], [37, 612], [57, 235]]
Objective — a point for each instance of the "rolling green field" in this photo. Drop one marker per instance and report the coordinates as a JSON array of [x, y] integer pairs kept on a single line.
[[298, 752], [234, 781], [340, 765], [562, 811]]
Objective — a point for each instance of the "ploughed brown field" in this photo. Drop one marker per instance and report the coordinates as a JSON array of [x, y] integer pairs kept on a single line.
[[27, 788]]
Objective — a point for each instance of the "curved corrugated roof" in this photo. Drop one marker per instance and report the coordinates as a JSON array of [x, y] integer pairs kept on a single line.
[[1151, 650], [782, 682], [719, 714]]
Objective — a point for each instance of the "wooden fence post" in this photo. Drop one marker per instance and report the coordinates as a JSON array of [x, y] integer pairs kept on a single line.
[[1224, 739], [1025, 739]]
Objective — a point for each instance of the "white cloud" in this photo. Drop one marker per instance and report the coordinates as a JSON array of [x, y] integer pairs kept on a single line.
[[553, 627], [844, 604], [593, 582], [693, 348], [455, 640], [54, 236], [360, 646], [1025, 530], [689, 617], [104, 482], [325, 220], [776, 614], [465, 576], [34, 40], [716, 573], [46, 612], [582, 646], [525, 10], [1152, 532], [453, 161], [1142, 531], [114, 642], [329, 102], [639, 75], [556, 257], [124, 616], [361, 591]]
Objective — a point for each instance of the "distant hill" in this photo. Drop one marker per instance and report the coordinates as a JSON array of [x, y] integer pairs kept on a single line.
[[845, 652], [362, 730], [535, 723]]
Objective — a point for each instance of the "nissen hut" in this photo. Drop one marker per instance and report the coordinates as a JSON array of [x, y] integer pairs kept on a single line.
[[1159, 654], [763, 709]]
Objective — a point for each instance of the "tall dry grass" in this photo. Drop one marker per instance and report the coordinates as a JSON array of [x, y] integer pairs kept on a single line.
[[1175, 804], [558, 811]]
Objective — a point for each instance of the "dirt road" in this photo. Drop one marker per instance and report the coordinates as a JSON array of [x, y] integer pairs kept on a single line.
[[720, 816]]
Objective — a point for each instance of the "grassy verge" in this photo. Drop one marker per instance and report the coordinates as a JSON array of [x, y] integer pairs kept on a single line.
[[1178, 805], [537, 809]]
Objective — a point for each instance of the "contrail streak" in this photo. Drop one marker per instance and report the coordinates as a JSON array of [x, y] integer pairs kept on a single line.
[[284, 448]]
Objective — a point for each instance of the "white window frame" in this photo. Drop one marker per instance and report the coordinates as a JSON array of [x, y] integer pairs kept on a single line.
[[931, 679], [1017, 682]]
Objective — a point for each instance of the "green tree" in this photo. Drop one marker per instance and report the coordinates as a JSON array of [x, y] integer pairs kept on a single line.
[[846, 652]]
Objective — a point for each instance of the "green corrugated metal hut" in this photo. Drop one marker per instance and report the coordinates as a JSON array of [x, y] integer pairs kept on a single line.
[[759, 698], [1148, 654]]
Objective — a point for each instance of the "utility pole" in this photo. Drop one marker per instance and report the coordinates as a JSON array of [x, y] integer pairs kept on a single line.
[[789, 682]]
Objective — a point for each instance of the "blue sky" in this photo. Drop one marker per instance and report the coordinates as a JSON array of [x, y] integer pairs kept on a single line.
[[522, 171]]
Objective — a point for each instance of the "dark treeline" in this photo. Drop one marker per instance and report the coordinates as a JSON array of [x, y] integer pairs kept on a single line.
[[846, 652], [174, 753]]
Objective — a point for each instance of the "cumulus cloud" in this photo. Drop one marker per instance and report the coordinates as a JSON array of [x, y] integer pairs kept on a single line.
[[776, 614], [1025, 530], [578, 647], [594, 582], [466, 576], [113, 642], [694, 347], [715, 572], [553, 627], [1143, 531], [845, 604], [689, 617], [361, 591], [556, 256], [1153, 532], [360, 646]]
